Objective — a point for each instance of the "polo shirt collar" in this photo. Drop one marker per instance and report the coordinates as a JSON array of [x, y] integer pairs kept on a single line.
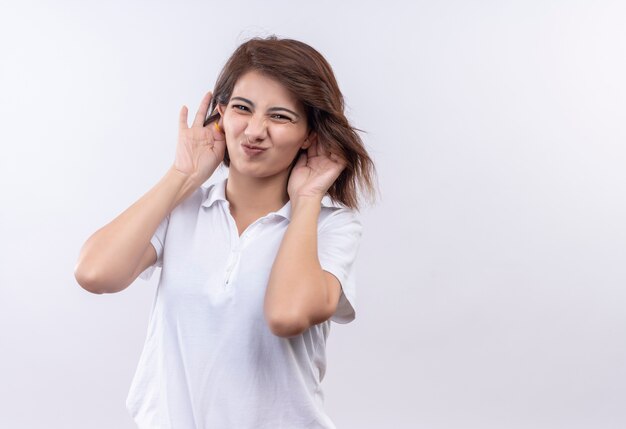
[[217, 192]]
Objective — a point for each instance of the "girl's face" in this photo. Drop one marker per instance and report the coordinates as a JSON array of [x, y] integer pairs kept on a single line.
[[265, 126]]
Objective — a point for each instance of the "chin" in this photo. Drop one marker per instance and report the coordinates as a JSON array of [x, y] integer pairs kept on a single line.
[[255, 171], [249, 170]]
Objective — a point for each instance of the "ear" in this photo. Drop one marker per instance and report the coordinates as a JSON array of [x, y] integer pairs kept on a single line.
[[220, 121], [311, 138]]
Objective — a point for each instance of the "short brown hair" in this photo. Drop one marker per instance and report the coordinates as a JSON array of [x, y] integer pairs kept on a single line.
[[309, 77]]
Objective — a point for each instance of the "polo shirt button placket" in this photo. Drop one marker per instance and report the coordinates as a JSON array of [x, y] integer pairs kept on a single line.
[[233, 260], [235, 253]]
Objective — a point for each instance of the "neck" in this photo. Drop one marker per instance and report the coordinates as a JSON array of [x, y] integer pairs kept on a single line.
[[256, 196]]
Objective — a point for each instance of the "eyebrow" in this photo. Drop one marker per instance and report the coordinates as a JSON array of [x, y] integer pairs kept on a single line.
[[272, 109]]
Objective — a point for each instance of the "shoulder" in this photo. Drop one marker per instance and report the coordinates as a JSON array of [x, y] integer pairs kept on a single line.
[[333, 217]]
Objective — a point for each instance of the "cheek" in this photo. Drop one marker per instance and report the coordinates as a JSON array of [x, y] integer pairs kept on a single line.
[[288, 140], [230, 124], [233, 130]]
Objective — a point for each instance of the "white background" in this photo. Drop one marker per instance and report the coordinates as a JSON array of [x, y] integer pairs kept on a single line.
[[492, 270]]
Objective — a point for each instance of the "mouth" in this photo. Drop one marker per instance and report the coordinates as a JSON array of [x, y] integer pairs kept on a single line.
[[252, 150]]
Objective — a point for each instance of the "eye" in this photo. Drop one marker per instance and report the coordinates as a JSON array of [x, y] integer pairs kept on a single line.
[[240, 107], [281, 118]]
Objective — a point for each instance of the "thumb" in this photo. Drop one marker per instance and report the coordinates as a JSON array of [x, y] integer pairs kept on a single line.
[[301, 161]]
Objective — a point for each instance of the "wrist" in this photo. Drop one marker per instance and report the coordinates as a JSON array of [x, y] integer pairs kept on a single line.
[[184, 183], [306, 203], [186, 179], [177, 176]]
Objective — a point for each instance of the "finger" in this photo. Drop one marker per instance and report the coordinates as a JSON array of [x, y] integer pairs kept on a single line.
[[322, 150], [216, 129], [312, 150], [301, 161], [338, 159], [182, 119], [202, 110]]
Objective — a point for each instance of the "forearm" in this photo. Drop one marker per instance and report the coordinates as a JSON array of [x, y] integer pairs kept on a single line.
[[297, 285], [109, 257]]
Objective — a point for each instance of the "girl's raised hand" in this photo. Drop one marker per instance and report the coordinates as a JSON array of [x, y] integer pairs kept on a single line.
[[314, 173], [199, 150]]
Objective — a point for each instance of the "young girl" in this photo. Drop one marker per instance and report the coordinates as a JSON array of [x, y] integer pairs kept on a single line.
[[254, 267]]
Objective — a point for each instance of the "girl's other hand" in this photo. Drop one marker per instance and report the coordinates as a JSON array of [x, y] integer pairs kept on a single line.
[[199, 150], [314, 173]]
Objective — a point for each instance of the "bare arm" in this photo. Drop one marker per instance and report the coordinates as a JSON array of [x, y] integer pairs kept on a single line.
[[109, 259], [113, 257], [299, 293]]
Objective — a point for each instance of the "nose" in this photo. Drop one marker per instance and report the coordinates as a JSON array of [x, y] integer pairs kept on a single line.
[[256, 129]]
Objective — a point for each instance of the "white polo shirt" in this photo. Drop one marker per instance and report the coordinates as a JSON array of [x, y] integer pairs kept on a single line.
[[210, 360]]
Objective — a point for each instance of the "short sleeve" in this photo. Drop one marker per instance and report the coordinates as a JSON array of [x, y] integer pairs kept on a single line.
[[158, 241], [338, 243]]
